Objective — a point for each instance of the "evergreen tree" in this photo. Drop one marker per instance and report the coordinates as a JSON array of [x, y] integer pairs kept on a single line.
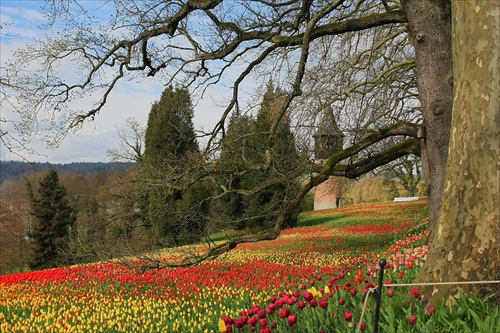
[[170, 141], [54, 219], [243, 148], [230, 207], [170, 131], [265, 204]]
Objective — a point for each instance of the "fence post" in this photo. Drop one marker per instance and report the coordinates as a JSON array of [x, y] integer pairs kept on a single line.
[[382, 264]]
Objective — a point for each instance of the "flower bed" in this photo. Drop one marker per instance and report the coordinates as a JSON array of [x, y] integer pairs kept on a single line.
[[310, 279]]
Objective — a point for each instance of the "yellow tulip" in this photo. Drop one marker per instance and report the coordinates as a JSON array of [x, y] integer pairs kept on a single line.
[[222, 326], [327, 290]]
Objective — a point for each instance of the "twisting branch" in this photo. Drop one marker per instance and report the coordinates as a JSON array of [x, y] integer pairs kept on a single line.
[[331, 167]]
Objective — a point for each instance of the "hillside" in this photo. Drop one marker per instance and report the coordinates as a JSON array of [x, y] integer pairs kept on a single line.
[[14, 169], [313, 278]]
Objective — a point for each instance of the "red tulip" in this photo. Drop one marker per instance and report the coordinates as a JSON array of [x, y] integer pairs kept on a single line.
[[239, 323], [415, 293], [353, 292], [308, 296], [412, 320], [252, 321], [390, 292], [270, 308], [273, 324], [284, 312], [362, 327], [431, 310], [265, 330], [301, 305], [313, 302], [323, 303], [261, 313], [341, 301], [263, 322], [292, 319], [348, 315]]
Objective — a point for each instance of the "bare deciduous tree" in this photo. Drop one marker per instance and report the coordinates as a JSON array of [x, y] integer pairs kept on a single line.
[[131, 142]]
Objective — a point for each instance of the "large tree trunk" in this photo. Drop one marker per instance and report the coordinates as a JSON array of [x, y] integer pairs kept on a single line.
[[430, 33], [466, 243]]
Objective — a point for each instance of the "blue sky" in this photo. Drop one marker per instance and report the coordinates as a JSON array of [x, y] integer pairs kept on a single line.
[[21, 20]]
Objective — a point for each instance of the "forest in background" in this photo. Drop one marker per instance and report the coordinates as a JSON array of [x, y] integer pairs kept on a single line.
[[14, 170]]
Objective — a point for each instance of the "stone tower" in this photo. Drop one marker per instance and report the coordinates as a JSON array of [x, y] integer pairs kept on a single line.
[[328, 139]]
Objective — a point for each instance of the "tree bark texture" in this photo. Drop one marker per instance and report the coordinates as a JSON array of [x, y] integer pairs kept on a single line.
[[429, 25], [466, 243]]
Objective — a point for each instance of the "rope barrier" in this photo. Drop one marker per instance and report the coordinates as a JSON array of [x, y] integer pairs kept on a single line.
[[437, 283], [379, 295], [367, 295]]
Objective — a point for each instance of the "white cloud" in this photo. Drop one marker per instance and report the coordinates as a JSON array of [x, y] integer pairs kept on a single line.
[[91, 142]]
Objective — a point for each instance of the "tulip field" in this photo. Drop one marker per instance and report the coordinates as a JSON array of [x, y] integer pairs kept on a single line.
[[313, 278]]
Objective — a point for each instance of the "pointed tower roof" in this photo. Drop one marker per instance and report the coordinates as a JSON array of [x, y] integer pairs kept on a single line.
[[328, 125]]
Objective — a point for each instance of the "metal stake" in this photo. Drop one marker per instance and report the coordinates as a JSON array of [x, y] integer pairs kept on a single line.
[[382, 264]]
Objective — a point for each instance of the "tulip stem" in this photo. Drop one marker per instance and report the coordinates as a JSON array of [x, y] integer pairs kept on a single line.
[[382, 264]]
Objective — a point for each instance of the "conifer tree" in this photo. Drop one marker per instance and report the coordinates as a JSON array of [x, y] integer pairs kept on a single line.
[[169, 140], [230, 207], [54, 219], [170, 130], [265, 204], [244, 148]]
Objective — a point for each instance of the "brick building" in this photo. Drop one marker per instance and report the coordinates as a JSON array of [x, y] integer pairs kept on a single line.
[[328, 139]]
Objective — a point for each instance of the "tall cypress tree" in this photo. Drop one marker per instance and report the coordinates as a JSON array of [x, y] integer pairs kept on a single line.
[[170, 138], [170, 130], [268, 201], [230, 207], [245, 143], [54, 219]]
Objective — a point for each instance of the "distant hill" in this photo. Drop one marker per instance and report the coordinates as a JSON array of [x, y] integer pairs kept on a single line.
[[14, 169]]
